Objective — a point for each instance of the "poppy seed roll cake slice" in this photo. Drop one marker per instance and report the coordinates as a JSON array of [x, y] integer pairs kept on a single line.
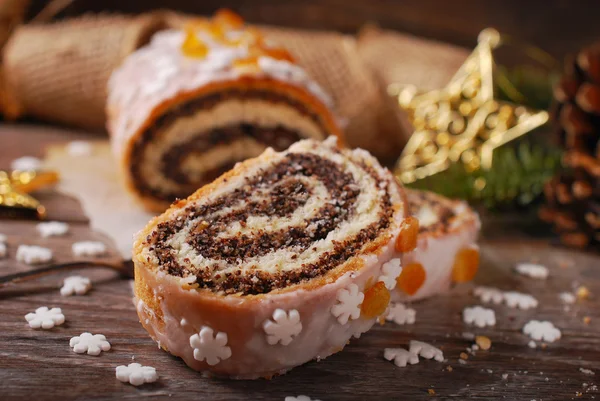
[[277, 262], [185, 108], [446, 250]]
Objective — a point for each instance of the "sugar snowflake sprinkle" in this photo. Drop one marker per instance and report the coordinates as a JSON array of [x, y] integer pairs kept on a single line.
[[89, 248], [391, 270], [512, 299], [348, 306], [52, 228], [567, 298], [426, 351], [489, 294], [542, 331], [26, 163], [75, 285], [400, 314], [283, 328], [209, 347], [519, 300], [33, 254], [45, 318], [532, 270], [136, 374], [299, 398], [92, 344], [479, 316], [400, 356]]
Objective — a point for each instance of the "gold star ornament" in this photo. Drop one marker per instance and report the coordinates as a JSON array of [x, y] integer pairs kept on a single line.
[[463, 122], [15, 186]]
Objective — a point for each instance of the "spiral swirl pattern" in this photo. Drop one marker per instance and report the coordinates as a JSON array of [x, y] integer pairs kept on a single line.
[[278, 220]]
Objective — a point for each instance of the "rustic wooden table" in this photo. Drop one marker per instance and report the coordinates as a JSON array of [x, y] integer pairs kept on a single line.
[[39, 364]]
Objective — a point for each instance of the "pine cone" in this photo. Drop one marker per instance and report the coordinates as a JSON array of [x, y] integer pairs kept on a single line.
[[573, 202], [573, 197], [577, 106]]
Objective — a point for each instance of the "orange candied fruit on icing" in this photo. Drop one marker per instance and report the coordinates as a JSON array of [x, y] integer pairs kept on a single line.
[[228, 19], [248, 62], [376, 301], [466, 265], [278, 53], [192, 46], [411, 278], [409, 231]]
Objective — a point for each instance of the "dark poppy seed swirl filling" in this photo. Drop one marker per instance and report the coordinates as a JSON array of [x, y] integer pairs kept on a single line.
[[292, 221], [236, 140]]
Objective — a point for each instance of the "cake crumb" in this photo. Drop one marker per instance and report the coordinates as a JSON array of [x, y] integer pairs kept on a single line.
[[504, 376], [464, 356], [587, 320], [462, 361], [583, 292], [483, 342], [431, 391], [532, 344], [449, 368]]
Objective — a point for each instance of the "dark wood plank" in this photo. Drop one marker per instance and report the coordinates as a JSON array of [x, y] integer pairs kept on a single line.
[[38, 364]]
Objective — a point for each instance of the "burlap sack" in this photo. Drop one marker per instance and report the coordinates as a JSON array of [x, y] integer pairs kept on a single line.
[[396, 58], [58, 72]]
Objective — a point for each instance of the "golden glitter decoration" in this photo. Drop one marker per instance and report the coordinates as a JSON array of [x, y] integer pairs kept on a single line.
[[462, 122], [15, 187]]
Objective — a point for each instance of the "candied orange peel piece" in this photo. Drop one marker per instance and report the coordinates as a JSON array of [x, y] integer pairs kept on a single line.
[[192, 46], [228, 19], [411, 278], [278, 53], [376, 300], [409, 231], [248, 63], [466, 265]]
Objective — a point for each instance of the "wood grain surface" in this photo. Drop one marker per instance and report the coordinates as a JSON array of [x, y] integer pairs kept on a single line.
[[39, 364]]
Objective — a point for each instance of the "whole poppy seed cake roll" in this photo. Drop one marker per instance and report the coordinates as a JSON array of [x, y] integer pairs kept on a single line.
[[188, 106], [446, 251], [277, 262]]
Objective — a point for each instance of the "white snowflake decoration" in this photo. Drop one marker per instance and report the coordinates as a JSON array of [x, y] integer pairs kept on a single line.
[[400, 356], [79, 148], [45, 318], [348, 306], [400, 314], [489, 294], [532, 270], [26, 163], [391, 270], [75, 285], [209, 347], [299, 398], [425, 350], [519, 300], [542, 331], [93, 344], [567, 298], [283, 328], [89, 248], [479, 316], [136, 374], [2, 250], [52, 228], [33, 254]]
